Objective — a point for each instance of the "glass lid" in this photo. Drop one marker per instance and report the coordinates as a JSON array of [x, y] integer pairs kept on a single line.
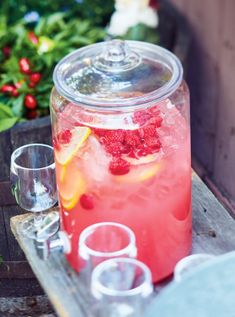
[[117, 74]]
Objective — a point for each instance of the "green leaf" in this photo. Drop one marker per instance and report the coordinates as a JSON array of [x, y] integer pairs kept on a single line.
[[5, 111], [7, 123], [17, 106]]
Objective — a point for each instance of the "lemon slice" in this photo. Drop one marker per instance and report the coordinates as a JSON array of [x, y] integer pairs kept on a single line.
[[79, 136], [71, 188], [142, 160], [140, 173]]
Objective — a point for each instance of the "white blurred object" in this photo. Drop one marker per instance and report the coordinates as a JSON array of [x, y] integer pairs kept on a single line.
[[130, 13]]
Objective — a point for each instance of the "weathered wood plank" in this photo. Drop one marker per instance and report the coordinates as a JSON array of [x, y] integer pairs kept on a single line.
[[4, 252], [35, 131], [211, 80], [15, 253], [203, 76], [224, 170], [36, 306], [213, 232], [5, 155]]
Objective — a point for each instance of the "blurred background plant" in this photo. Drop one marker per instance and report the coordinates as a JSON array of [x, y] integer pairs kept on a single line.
[[35, 35]]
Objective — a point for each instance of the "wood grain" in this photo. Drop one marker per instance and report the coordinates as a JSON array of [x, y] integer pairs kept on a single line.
[[211, 80], [213, 232], [224, 171]]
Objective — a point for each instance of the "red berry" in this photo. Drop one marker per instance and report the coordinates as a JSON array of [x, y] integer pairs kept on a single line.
[[7, 88], [132, 138], [33, 38], [114, 135], [56, 144], [10, 89], [30, 102], [87, 201], [99, 132], [24, 65], [6, 51], [35, 78], [118, 166], [15, 92], [32, 85], [141, 117], [153, 144], [64, 136], [156, 121], [142, 150], [147, 131], [117, 148]]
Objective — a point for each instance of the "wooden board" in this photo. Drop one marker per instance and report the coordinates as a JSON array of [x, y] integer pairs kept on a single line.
[[213, 232], [211, 79]]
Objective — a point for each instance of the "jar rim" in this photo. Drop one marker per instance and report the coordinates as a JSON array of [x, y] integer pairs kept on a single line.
[[90, 102]]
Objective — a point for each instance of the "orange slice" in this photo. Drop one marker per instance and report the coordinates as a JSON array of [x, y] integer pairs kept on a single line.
[[142, 160], [71, 185], [140, 173], [66, 154]]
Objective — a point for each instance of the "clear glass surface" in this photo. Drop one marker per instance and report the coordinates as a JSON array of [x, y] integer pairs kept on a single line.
[[122, 149], [189, 263], [34, 187], [121, 287], [103, 241]]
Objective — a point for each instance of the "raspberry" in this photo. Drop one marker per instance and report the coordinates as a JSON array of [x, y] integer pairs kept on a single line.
[[156, 121], [153, 144], [132, 138], [55, 144], [99, 132], [65, 136], [114, 148], [132, 154], [87, 201], [119, 166], [149, 130], [141, 117], [142, 150], [115, 135], [154, 110]]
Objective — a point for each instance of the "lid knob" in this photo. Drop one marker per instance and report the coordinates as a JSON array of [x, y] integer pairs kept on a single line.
[[117, 57]]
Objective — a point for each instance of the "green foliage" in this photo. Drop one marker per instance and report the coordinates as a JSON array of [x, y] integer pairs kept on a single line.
[[63, 26]]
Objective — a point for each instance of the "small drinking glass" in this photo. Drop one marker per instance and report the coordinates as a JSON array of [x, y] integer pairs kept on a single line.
[[122, 287], [103, 241], [190, 263], [34, 187]]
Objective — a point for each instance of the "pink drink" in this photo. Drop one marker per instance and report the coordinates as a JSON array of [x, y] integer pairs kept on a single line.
[[153, 198], [124, 156]]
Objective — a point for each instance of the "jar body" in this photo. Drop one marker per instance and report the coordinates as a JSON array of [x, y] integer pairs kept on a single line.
[[131, 167]]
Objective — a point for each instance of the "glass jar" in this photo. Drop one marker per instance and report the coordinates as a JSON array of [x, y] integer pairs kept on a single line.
[[121, 135]]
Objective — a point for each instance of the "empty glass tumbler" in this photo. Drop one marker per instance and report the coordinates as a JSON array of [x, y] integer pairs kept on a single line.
[[103, 241], [122, 287]]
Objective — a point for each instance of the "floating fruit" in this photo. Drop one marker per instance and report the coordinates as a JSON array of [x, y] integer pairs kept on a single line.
[[77, 138], [71, 185], [140, 173], [87, 201]]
